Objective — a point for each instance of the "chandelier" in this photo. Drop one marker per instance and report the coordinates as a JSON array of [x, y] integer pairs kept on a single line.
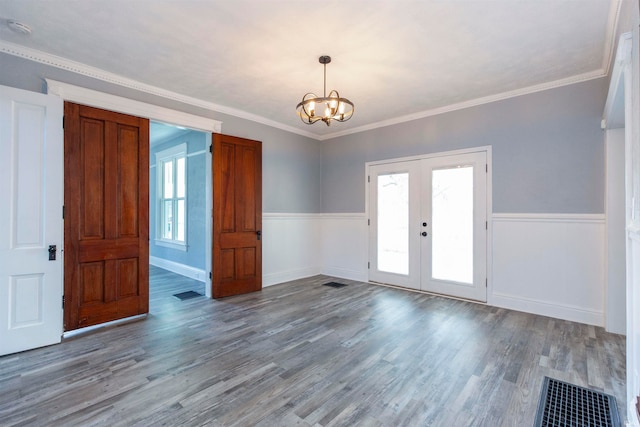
[[310, 109]]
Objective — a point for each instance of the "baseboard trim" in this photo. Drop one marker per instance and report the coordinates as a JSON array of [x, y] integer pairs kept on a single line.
[[545, 308], [346, 273], [289, 275], [178, 268]]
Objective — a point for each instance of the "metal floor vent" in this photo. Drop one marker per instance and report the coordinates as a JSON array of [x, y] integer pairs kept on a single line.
[[335, 284], [187, 295], [567, 405]]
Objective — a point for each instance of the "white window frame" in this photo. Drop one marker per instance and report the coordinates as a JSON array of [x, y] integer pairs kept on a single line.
[[170, 154]]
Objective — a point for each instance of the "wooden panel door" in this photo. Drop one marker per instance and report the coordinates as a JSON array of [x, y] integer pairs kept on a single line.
[[106, 216], [237, 216], [30, 220]]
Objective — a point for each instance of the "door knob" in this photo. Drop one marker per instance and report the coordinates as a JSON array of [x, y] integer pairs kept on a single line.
[[52, 252], [424, 233], [259, 234], [424, 224]]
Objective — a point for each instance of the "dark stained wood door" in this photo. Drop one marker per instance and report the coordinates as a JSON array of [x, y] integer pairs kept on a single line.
[[106, 224], [237, 216]]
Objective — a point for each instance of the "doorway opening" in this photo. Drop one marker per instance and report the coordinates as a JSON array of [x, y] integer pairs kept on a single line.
[[179, 247]]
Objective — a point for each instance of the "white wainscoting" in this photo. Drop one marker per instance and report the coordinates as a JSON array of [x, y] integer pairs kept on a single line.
[[302, 245], [176, 267], [547, 264], [550, 264], [291, 246], [344, 246]]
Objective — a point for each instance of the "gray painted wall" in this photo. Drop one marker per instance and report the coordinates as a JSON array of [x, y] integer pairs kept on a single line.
[[290, 162], [548, 151], [196, 201]]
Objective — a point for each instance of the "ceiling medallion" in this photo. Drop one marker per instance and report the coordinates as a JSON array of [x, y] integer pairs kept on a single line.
[[310, 109]]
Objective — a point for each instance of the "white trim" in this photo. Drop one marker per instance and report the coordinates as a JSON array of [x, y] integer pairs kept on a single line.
[[345, 215], [610, 42], [96, 73], [547, 308], [129, 106], [178, 268], [471, 103], [289, 215], [549, 217], [484, 148], [288, 275], [171, 244], [197, 153], [82, 331], [616, 88], [105, 76]]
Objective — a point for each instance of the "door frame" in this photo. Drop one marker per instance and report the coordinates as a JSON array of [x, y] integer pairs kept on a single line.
[[489, 245], [123, 105]]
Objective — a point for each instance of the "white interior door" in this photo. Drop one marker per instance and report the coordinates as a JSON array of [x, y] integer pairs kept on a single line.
[[31, 172], [428, 226], [454, 239]]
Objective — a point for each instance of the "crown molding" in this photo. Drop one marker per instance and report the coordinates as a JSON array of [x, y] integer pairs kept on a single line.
[[120, 104], [609, 43], [96, 73], [471, 103], [105, 76]]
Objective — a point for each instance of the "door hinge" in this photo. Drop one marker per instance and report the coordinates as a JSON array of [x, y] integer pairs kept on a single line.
[[486, 282], [209, 275], [368, 222], [486, 167], [63, 302], [211, 148], [486, 225], [368, 178], [62, 122], [368, 265]]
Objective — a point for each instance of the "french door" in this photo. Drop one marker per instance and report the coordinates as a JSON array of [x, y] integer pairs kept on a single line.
[[428, 228]]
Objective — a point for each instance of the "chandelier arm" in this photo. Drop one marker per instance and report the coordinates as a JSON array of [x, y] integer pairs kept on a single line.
[[334, 105]]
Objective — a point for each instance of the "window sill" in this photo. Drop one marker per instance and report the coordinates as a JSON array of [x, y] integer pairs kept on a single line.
[[173, 245]]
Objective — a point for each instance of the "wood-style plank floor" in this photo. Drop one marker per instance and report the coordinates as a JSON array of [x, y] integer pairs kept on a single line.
[[305, 354]]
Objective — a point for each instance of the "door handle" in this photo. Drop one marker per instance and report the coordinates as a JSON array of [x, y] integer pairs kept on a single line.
[[424, 224], [52, 252], [424, 234], [259, 234]]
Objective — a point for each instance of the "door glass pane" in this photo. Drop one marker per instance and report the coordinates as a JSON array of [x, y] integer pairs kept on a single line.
[[393, 223], [180, 177], [167, 223], [180, 229], [452, 224], [168, 180]]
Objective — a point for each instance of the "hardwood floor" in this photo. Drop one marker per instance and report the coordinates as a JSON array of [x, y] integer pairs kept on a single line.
[[305, 354]]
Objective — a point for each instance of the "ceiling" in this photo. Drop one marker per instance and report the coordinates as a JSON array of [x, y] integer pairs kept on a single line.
[[394, 59]]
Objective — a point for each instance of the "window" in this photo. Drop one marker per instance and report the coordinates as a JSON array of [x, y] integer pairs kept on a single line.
[[171, 213]]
